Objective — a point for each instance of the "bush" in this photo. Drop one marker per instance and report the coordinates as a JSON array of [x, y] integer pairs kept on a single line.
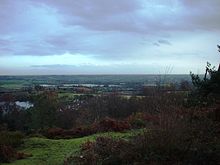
[[13, 139], [82, 131], [54, 132], [187, 136], [103, 151], [59, 133], [141, 119], [8, 141], [104, 125], [108, 124], [151, 147], [7, 153]]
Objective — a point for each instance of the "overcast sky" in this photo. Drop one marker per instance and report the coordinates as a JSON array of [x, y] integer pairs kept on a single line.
[[108, 36]]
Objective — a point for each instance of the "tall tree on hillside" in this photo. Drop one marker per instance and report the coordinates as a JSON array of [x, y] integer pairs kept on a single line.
[[44, 111], [207, 88]]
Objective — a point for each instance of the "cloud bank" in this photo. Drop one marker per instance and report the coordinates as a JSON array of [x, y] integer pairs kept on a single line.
[[111, 31]]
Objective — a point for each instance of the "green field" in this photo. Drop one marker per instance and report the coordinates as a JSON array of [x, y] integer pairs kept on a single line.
[[12, 84], [68, 95], [53, 152]]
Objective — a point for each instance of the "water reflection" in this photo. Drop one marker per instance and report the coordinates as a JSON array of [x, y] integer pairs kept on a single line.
[[20, 104], [24, 104]]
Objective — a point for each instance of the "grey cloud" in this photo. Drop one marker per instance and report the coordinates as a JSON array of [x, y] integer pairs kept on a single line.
[[165, 42], [156, 44], [199, 3], [94, 9], [127, 15], [106, 29], [104, 45], [6, 46], [203, 14], [30, 47], [98, 14], [4, 42], [53, 66], [91, 69], [9, 12], [162, 42]]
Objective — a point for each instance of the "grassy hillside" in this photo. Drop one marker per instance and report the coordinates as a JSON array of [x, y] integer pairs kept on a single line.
[[53, 152]]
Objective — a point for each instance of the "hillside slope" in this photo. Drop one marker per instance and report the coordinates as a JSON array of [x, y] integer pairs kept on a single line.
[[53, 152]]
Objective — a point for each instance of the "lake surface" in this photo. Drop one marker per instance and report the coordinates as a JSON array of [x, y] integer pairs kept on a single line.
[[24, 104], [21, 104]]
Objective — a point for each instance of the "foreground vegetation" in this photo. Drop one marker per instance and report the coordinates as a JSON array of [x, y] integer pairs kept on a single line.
[[53, 152]]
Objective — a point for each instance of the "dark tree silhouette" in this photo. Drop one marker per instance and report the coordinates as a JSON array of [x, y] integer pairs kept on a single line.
[[219, 63], [208, 88]]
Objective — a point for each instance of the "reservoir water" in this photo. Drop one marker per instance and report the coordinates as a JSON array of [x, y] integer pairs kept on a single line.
[[20, 104]]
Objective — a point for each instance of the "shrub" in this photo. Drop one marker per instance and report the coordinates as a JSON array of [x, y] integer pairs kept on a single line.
[[21, 155], [141, 119], [151, 147], [13, 139], [108, 124], [103, 151], [57, 133], [9, 140], [137, 123], [54, 132], [7, 153], [182, 137], [104, 125], [82, 131]]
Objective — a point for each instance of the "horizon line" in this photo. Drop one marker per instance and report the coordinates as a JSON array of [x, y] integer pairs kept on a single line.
[[138, 74]]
